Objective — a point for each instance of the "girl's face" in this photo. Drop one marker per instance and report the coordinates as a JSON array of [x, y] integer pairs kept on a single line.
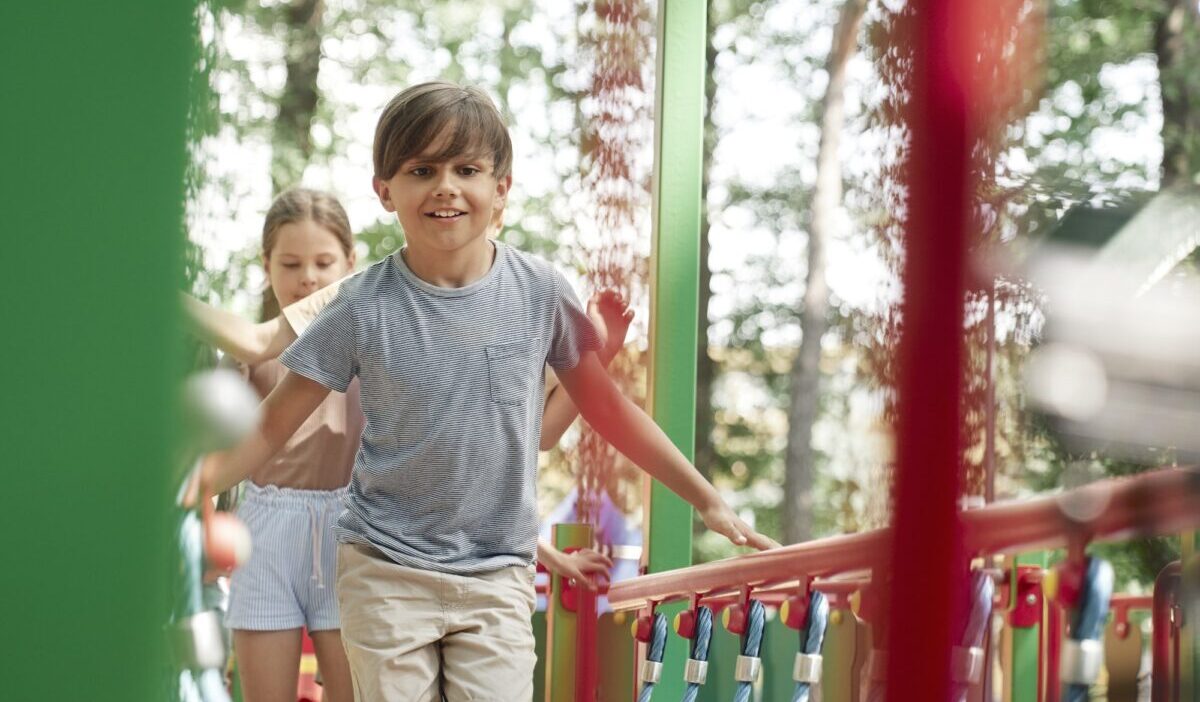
[[306, 257]]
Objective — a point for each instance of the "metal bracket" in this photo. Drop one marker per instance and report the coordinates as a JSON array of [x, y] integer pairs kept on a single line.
[[1081, 661], [695, 672], [651, 671], [966, 664], [747, 668], [198, 642], [807, 668]]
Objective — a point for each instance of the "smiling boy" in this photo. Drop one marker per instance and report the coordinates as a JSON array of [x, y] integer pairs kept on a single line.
[[449, 336]]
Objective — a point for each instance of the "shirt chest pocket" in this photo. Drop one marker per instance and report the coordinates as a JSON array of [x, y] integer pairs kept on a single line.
[[512, 370]]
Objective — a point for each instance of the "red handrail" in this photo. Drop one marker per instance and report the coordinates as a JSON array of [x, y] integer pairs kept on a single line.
[[1159, 502]]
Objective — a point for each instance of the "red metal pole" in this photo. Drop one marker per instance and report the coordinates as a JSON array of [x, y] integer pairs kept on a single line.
[[927, 565], [1164, 677], [1053, 635], [586, 664]]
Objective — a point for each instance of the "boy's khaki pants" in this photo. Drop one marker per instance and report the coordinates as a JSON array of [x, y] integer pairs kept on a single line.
[[417, 634]]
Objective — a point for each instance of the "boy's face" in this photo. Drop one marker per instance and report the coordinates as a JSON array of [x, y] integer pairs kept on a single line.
[[444, 205]]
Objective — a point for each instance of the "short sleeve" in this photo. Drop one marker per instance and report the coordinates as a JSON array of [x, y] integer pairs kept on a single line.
[[573, 334], [300, 314], [327, 350]]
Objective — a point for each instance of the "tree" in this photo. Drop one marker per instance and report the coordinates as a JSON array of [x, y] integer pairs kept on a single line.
[[292, 147], [800, 465]]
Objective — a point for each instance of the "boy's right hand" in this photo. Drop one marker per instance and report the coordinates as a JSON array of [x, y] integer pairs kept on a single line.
[[723, 520]]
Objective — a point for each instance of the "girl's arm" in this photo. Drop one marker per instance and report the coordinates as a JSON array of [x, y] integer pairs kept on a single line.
[[247, 341], [282, 413], [611, 315], [580, 566]]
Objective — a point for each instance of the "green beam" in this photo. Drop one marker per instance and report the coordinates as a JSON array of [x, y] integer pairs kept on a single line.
[[93, 131], [679, 130]]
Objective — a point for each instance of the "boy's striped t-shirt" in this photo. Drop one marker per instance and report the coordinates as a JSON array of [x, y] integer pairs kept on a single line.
[[451, 384]]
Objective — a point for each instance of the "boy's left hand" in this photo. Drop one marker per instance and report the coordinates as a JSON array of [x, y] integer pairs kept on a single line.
[[611, 315], [721, 519]]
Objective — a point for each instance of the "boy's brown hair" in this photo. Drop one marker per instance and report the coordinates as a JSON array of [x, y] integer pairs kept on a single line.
[[420, 114]]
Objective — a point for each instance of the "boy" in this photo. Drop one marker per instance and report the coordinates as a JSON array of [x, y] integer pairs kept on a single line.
[[449, 337]]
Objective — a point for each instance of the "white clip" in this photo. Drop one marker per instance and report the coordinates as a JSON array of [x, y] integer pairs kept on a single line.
[[695, 672], [198, 641], [966, 664], [651, 671], [1081, 661], [747, 668], [807, 668]]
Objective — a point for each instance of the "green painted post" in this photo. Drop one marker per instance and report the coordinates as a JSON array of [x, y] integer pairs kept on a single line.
[[560, 622], [1026, 649], [93, 137], [674, 286]]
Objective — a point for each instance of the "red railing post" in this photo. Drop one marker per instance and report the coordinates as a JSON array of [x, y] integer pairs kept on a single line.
[[1164, 647]]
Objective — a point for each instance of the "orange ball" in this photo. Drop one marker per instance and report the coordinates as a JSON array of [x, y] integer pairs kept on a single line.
[[226, 541]]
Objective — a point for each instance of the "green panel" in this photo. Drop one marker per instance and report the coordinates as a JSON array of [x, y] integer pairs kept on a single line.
[[616, 654], [676, 257], [780, 645], [723, 651], [539, 645], [93, 130]]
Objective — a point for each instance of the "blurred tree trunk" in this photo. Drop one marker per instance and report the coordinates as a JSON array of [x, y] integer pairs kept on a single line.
[[292, 140], [1177, 48], [814, 316], [705, 367]]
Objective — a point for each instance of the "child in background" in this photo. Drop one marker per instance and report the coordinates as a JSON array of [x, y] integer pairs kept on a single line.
[[448, 338], [291, 501]]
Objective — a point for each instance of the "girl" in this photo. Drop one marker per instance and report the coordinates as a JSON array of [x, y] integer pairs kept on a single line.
[[290, 505]]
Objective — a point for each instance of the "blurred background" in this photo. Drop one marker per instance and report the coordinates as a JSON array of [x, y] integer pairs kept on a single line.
[[1096, 112]]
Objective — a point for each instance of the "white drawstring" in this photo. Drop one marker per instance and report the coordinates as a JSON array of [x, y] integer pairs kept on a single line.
[[317, 537]]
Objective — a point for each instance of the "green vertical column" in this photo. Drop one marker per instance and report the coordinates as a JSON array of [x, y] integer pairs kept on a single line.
[[679, 130], [93, 137], [560, 621]]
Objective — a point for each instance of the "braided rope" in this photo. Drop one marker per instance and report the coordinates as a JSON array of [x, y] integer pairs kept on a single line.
[[658, 644], [1090, 615], [704, 627], [982, 589], [751, 643], [812, 637]]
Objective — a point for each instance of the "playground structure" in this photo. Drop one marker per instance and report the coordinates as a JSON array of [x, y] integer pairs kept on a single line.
[[119, 458]]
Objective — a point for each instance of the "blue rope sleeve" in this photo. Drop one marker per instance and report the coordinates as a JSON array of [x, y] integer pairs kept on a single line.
[[812, 637], [700, 644], [982, 589], [1090, 615], [658, 644], [751, 644]]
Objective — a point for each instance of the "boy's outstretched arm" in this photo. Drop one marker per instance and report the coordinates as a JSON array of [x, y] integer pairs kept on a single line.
[[611, 315], [632, 432], [247, 341], [282, 413]]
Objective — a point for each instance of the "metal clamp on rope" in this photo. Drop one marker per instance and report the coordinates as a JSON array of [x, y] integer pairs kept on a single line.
[[747, 668], [651, 671], [695, 672], [877, 665], [1081, 661], [807, 668], [966, 664], [197, 641]]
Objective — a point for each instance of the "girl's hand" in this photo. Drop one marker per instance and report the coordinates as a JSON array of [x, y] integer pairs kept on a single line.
[[721, 519], [611, 315], [585, 567]]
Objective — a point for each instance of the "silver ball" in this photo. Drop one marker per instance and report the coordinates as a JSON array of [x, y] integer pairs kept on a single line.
[[220, 408]]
